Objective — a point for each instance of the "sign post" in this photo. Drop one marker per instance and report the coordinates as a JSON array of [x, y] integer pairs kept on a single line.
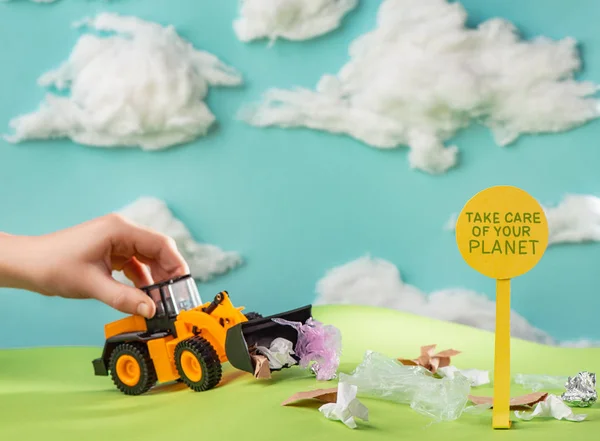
[[502, 232]]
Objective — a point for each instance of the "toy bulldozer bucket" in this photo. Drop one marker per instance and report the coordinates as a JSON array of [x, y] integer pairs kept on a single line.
[[261, 332]]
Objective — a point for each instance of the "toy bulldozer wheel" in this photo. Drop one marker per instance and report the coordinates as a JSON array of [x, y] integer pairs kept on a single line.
[[131, 368], [198, 364]]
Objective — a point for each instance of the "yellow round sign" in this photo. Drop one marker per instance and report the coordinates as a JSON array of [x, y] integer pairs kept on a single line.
[[502, 232]]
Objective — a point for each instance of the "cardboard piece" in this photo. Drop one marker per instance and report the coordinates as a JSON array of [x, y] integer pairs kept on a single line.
[[324, 395], [261, 367], [429, 360], [516, 403]]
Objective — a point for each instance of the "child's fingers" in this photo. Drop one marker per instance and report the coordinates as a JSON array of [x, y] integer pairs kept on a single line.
[[157, 272], [155, 249], [121, 297], [134, 270]]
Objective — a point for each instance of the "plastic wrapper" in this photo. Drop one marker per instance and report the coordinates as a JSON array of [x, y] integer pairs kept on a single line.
[[539, 382], [315, 371], [318, 344], [478, 409], [279, 353], [381, 377], [581, 390]]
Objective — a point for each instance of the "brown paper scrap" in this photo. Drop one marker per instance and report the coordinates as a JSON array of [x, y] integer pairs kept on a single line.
[[430, 361], [324, 395], [516, 403], [261, 367]]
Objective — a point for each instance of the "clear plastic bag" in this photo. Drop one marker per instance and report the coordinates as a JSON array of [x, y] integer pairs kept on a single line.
[[381, 377], [317, 343], [538, 382]]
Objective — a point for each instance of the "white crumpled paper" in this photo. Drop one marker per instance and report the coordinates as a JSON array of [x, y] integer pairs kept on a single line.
[[475, 376], [279, 353], [551, 407], [347, 407]]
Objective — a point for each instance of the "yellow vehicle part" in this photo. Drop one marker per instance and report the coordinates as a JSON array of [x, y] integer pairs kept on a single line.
[[189, 346]]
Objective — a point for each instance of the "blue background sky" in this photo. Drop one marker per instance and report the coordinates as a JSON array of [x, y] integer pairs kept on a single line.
[[294, 203]]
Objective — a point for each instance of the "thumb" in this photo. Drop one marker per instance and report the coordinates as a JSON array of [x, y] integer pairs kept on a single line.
[[124, 298]]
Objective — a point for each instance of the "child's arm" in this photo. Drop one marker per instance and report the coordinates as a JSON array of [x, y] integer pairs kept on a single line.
[[78, 262]]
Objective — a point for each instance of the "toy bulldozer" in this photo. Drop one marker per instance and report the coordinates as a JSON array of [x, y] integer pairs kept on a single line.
[[187, 340]]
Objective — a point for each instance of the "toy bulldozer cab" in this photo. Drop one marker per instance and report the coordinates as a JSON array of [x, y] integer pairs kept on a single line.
[[187, 339]]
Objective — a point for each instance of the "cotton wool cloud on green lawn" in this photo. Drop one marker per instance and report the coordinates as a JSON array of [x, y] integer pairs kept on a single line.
[[421, 76]]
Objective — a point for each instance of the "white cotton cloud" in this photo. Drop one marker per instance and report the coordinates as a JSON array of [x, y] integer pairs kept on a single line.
[[289, 19], [576, 219], [377, 282], [140, 86], [420, 76], [205, 261]]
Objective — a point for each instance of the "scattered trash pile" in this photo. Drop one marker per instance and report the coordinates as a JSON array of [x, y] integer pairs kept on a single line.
[[580, 390], [436, 389], [429, 383], [318, 348], [277, 356]]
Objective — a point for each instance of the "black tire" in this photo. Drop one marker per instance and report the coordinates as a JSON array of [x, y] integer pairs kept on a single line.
[[253, 315], [208, 361], [147, 377]]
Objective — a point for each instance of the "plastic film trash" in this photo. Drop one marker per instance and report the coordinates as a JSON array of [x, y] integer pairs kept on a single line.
[[317, 343], [538, 382], [381, 377]]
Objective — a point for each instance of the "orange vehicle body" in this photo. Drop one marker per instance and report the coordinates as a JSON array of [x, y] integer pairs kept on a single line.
[[188, 324], [186, 339]]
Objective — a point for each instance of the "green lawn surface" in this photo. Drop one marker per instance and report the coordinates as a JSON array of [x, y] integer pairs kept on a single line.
[[52, 393]]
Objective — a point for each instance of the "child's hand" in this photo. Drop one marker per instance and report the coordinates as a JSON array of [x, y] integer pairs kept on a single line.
[[78, 263]]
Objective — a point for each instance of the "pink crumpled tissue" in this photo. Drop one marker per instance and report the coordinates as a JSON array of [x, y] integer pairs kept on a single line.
[[318, 343]]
